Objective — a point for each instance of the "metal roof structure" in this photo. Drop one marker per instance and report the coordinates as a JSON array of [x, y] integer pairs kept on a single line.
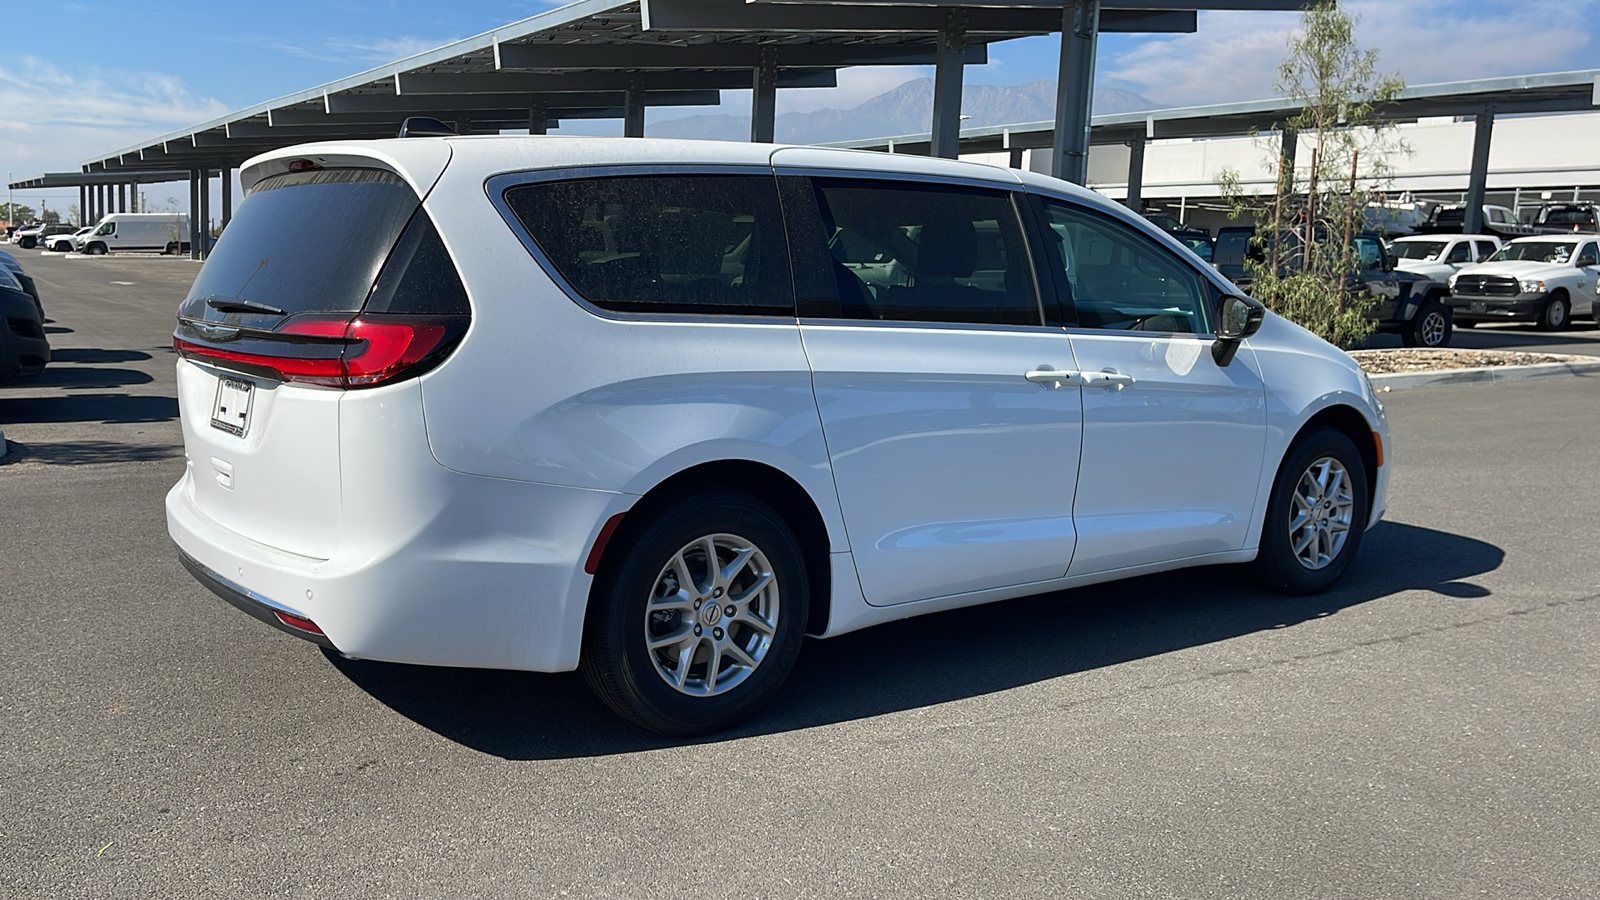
[[615, 58], [1483, 99]]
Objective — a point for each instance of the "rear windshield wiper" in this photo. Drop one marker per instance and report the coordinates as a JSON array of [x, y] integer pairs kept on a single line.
[[234, 304]]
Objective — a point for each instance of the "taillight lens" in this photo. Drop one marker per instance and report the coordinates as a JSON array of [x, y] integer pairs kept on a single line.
[[337, 351]]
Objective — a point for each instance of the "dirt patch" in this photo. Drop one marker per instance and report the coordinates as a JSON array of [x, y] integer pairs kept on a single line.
[[1390, 362]]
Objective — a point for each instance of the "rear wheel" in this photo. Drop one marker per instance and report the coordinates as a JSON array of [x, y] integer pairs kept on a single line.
[[95, 249], [1316, 515], [697, 615], [171, 249], [1555, 315]]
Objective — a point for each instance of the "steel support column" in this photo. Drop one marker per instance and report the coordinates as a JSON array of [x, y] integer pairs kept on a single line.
[[1478, 180], [194, 214], [633, 108], [1080, 29], [205, 212], [538, 118], [949, 67], [122, 198], [227, 195], [764, 98], [1135, 199], [133, 196], [1290, 144]]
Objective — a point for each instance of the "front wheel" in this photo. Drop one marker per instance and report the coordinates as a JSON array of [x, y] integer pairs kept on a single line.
[[1430, 327], [95, 249], [1316, 515], [697, 614], [1556, 312]]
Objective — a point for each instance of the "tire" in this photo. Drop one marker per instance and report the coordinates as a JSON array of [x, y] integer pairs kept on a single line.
[[1557, 314], [649, 561], [1278, 564], [95, 249], [171, 249], [1430, 327]]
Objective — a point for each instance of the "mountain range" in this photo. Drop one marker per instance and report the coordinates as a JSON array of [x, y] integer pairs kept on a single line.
[[907, 109]]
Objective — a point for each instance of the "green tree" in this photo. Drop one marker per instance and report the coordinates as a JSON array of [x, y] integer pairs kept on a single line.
[[16, 213], [1304, 266]]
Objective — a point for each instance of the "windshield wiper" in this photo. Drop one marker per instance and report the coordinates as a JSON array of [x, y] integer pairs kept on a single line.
[[234, 304]]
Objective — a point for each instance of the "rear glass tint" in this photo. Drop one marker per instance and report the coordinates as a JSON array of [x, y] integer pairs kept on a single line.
[[708, 244], [306, 242]]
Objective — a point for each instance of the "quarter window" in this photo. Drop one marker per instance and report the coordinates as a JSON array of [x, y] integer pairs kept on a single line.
[[915, 253], [1117, 278], [664, 243]]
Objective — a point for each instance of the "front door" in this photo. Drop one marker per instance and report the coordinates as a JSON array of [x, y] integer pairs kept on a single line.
[[954, 451], [1172, 442]]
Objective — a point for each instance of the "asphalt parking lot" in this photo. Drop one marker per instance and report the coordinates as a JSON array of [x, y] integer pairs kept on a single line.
[[1427, 730]]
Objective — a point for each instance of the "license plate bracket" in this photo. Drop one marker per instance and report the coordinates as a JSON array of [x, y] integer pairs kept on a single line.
[[231, 412]]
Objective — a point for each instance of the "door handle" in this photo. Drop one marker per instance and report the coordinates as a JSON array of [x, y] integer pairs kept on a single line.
[[1107, 379], [1055, 377]]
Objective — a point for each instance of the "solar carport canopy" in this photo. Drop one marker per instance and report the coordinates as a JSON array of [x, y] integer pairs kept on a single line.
[[609, 59]]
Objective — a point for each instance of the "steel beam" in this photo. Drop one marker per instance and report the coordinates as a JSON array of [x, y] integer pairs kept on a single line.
[[764, 98], [410, 83], [555, 57], [947, 77], [736, 16], [1135, 200], [1478, 177], [1080, 28], [340, 104], [1112, 7]]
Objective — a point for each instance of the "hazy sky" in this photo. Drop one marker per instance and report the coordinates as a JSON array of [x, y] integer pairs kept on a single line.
[[82, 79]]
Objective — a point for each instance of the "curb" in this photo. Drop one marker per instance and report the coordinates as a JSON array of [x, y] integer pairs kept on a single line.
[[1483, 374]]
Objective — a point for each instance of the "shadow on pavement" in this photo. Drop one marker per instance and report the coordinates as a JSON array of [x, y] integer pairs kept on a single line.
[[57, 329], [87, 376], [85, 355], [108, 408], [89, 453], [933, 659]]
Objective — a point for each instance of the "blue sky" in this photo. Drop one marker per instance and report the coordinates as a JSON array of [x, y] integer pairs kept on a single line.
[[84, 78]]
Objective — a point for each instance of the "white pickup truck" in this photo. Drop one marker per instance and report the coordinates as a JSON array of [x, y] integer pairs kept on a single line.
[[1546, 279]]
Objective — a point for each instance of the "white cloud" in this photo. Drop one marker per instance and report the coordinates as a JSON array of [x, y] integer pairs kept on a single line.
[[54, 118], [1234, 55]]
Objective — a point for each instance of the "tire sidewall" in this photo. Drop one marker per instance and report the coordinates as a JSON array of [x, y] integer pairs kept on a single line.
[[1547, 320], [614, 646], [1276, 558]]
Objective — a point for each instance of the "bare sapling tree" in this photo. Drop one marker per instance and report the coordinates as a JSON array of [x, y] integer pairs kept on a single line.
[[1303, 262]]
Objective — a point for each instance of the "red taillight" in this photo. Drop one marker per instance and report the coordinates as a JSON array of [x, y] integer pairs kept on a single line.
[[370, 351], [300, 622]]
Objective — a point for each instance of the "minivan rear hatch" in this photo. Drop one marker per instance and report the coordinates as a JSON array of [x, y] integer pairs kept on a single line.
[[309, 294]]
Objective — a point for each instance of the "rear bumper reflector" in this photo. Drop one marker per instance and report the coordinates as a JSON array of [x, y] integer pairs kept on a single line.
[[278, 616]]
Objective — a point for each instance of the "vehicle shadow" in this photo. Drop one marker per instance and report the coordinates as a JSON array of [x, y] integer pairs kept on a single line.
[[89, 453], [932, 659], [1580, 339], [88, 355], [106, 408], [87, 377]]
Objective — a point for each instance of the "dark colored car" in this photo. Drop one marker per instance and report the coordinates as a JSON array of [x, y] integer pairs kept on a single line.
[[1566, 218], [1408, 304], [24, 351], [1497, 220]]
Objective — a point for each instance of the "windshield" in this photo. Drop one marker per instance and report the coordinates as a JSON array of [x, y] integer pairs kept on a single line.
[[1569, 217], [1537, 251], [1417, 249]]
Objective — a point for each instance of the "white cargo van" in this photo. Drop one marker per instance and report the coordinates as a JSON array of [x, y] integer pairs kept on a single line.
[[167, 232]]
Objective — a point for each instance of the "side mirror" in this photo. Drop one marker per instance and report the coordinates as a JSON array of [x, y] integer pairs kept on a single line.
[[1239, 318]]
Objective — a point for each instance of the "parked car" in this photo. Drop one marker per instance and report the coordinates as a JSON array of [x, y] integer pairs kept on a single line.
[[39, 235], [67, 243], [656, 410], [166, 232], [29, 287], [24, 350], [1566, 218], [1196, 239], [1438, 256], [1497, 220], [1546, 279], [1409, 303]]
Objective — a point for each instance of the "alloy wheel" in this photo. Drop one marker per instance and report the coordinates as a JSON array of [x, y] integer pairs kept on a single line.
[[1321, 518], [1432, 330], [712, 615]]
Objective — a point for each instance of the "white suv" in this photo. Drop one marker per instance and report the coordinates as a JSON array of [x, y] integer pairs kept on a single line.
[[657, 410]]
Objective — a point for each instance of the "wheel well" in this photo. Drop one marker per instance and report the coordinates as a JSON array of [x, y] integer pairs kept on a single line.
[[772, 487], [1558, 292], [1353, 425]]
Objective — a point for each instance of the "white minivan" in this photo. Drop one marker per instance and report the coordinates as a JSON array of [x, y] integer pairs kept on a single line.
[[657, 410], [167, 232]]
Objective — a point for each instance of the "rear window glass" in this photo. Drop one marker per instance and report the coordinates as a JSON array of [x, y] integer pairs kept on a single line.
[[308, 241], [664, 243]]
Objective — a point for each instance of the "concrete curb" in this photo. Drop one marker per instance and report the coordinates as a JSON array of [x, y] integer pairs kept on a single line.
[[1483, 374]]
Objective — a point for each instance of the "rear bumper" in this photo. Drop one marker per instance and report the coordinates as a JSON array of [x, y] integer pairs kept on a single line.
[[252, 604]]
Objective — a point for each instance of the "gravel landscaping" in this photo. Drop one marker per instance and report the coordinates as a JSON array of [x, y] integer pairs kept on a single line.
[[1390, 362]]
